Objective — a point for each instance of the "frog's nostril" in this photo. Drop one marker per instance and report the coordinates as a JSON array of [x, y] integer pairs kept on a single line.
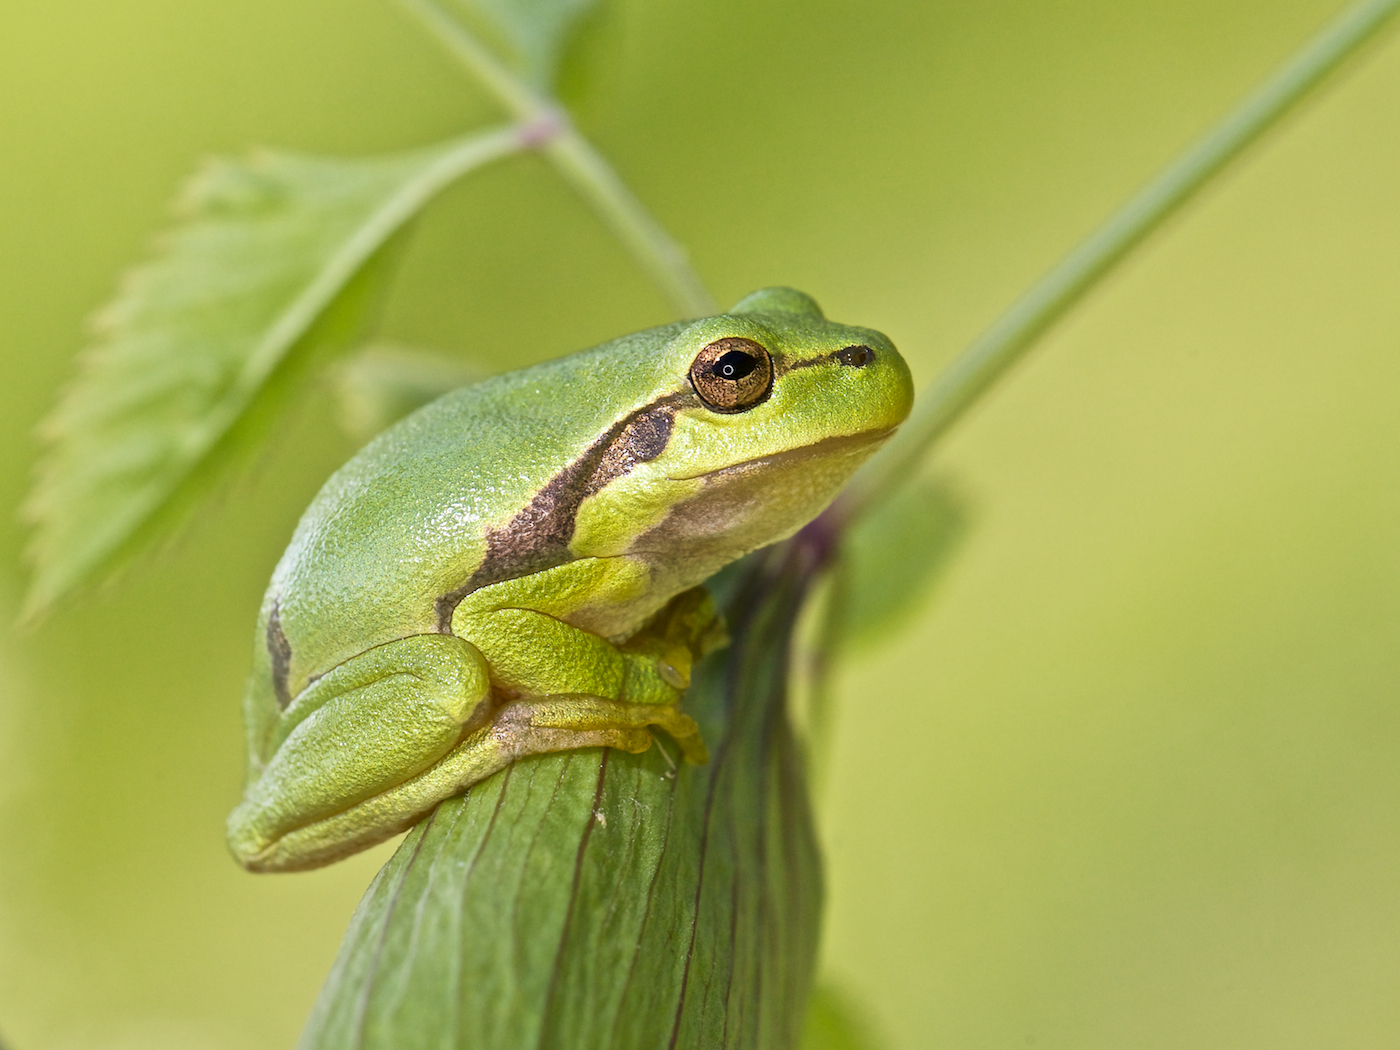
[[855, 356]]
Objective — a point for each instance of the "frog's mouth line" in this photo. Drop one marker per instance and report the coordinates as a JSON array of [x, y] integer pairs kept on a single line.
[[825, 448]]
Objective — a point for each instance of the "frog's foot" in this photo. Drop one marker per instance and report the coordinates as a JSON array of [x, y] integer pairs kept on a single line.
[[690, 619], [663, 653], [560, 723]]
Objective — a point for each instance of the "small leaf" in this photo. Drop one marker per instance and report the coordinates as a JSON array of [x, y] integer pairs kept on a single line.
[[271, 264], [601, 899], [892, 556], [383, 383], [889, 559], [833, 1023], [535, 33]]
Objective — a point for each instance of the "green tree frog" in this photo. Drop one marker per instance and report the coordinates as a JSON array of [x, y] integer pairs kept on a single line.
[[514, 568]]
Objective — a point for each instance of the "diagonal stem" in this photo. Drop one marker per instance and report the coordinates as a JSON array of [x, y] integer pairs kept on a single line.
[[974, 372], [654, 250]]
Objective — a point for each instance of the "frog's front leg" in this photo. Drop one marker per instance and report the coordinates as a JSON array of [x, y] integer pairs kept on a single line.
[[368, 725], [573, 680]]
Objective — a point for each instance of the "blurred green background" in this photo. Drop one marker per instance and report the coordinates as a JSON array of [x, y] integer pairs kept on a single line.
[[1130, 780]]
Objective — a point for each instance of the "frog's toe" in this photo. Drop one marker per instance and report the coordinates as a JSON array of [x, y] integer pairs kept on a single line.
[[686, 733], [565, 722]]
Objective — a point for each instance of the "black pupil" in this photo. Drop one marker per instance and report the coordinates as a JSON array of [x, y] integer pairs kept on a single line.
[[734, 365]]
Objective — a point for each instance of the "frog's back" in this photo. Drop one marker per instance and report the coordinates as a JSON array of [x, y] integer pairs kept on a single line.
[[470, 489]]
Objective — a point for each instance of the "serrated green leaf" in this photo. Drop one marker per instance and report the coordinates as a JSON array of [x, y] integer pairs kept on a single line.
[[892, 556], [600, 899], [270, 264], [383, 383], [534, 33]]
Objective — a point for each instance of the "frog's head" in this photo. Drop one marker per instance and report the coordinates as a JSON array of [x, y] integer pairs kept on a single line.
[[760, 416]]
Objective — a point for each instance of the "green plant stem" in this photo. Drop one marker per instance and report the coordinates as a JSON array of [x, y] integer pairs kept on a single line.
[[663, 260], [978, 368], [653, 248]]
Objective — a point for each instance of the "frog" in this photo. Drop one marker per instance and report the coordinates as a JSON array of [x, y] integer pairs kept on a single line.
[[517, 567]]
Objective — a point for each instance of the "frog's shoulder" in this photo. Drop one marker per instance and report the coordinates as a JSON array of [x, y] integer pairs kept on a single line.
[[497, 442], [565, 429]]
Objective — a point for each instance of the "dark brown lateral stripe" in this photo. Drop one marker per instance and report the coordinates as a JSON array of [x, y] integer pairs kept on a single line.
[[538, 537], [280, 650], [826, 359]]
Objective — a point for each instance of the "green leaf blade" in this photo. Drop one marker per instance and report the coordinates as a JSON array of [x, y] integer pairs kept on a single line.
[[271, 260]]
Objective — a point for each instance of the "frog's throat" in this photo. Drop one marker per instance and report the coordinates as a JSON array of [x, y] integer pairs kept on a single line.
[[748, 505]]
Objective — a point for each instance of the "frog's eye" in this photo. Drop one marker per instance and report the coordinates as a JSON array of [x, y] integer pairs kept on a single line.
[[732, 374]]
